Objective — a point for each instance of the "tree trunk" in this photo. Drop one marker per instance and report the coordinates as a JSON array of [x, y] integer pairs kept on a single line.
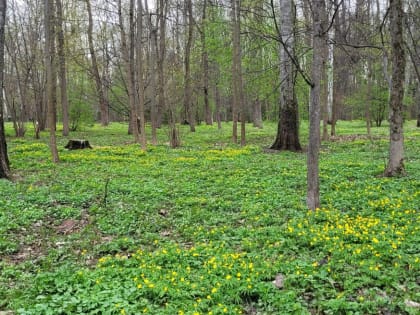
[[238, 95], [369, 97], [4, 160], [152, 67], [162, 9], [235, 101], [418, 104], [128, 57], [103, 104], [62, 68], [338, 69], [51, 77], [288, 126], [205, 64], [396, 148], [324, 95], [257, 114], [140, 81], [318, 42], [187, 74]]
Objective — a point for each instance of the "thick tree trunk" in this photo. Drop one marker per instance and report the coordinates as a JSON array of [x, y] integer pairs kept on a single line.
[[188, 20], [140, 81], [396, 147], [62, 69], [51, 77], [318, 42], [288, 126], [4, 160], [103, 104]]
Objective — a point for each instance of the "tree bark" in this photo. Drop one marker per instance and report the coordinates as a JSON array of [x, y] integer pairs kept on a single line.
[[152, 67], [103, 104], [396, 147], [238, 95], [235, 101], [338, 69], [187, 74], [140, 81], [288, 125], [318, 42], [4, 159], [205, 64], [62, 68], [51, 77], [162, 10], [128, 57]]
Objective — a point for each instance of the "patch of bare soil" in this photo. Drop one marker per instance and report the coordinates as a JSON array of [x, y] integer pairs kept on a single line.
[[348, 138], [42, 232]]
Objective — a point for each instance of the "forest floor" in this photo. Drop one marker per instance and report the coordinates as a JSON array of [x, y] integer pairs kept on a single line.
[[210, 227]]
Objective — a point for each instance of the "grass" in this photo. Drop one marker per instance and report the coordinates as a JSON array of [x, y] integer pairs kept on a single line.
[[206, 228]]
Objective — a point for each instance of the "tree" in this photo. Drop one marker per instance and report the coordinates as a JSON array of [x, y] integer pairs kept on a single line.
[[103, 104], [205, 65], [396, 146], [62, 68], [140, 81], [318, 42], [129, 66], [238, 94], [4, 160], [187, 65], [288, 126], [51, 76]]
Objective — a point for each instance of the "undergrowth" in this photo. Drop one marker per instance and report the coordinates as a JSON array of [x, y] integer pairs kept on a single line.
[[207, 227]]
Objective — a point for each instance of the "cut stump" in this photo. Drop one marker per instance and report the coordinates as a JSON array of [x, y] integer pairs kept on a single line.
[[76, 144]]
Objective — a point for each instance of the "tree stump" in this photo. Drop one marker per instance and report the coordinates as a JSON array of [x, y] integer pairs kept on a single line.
[[76, 144]]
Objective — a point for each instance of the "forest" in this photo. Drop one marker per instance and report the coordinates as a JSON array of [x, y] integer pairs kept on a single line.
[[209, 157]]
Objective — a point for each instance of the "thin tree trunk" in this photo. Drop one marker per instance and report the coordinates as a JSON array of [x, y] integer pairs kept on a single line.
[[51, 78], [238, 95], [396, 147], [187, 74], [103, 106], [140, 81], [338, 69], [235, 103], [4, 159], [162, 9], [324, 95], [369, 97], [318, 42], [257, 114], [288, 125], [205, 64], [152, 67], [128, 57], [62, 69]]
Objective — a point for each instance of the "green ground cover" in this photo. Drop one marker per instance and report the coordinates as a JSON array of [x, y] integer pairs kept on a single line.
[[206, 228]]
